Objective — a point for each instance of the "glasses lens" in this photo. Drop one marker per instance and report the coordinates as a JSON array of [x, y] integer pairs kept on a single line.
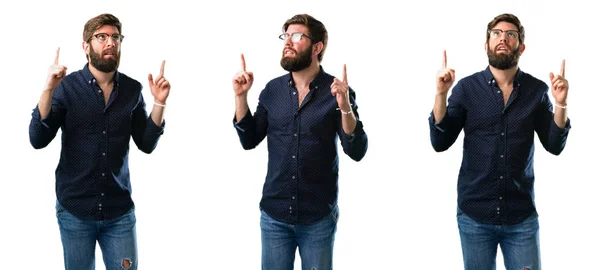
[[296, 37]]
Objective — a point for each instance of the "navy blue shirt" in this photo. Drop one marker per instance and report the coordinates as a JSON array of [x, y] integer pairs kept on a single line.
[[301, 183], [92, 177], [495, 181]]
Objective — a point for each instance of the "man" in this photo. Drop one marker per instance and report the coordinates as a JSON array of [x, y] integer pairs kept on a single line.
[[98, 109], [500, 109], [300, 114]]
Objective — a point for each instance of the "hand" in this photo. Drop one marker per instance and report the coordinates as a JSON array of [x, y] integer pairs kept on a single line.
[[560, 86], [445, 78], [242, 81], [160, 87], [340, 90], [56, 73]]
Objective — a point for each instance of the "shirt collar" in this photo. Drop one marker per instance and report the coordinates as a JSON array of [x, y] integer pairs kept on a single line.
[[489, 78], [320, 78], [89, 78]]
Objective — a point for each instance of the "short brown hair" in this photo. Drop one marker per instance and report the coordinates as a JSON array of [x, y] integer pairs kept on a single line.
[[316, 29], [509, 18], [94, 23]]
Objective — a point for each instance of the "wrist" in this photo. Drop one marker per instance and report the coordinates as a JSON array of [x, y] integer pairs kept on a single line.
[[562, 105], [161, 103]]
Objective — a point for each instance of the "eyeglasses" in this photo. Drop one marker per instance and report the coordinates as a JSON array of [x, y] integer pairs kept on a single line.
[[295, 36], [497, 33], [103, 37]]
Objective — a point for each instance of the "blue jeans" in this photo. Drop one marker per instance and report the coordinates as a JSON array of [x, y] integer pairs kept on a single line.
[[520, 244], [116, 237], [315, 242]]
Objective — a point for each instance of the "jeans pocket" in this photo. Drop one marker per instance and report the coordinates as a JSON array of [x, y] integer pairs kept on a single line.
[[335, 214], [59, 209]]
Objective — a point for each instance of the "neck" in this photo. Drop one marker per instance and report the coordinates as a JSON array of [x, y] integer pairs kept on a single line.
[[504, 77], [102, 78], [303, 77]]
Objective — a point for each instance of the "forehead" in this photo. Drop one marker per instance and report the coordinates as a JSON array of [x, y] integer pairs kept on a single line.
[[505, 26], [293, 28], [108, 29]]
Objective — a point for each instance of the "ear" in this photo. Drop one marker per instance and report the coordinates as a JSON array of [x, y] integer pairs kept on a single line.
[[318, 47], [486, 47], [86, 47], [521, 49]]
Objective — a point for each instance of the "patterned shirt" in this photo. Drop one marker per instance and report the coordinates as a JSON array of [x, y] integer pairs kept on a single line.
[[495, 181], [301, 185], [92, 177]]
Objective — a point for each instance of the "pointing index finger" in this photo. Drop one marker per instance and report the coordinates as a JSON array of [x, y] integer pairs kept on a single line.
[[344, 76], [56, 57], [162, 69], [243, 63], [444, 63], [562, 68]]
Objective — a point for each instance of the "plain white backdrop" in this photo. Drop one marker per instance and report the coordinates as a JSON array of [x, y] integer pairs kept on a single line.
[[197, 195]]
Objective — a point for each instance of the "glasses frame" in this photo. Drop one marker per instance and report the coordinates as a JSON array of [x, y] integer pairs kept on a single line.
[[517, 34], [117, 38], [293, 36]]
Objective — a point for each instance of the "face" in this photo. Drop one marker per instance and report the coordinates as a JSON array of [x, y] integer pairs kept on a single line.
[[504, 49], [297, 55], [104, 53]]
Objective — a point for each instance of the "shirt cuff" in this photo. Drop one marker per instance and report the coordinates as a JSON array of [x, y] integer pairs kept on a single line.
[[242, 124]]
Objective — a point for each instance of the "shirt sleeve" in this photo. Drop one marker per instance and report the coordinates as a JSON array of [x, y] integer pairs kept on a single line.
[[144, 131], [43, 131], [354, 145], [252, 129], [444, 134], [552, 137]]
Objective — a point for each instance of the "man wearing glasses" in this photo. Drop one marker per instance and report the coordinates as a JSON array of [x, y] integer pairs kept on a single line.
[[500, 109], [301, 114], [98, 110]]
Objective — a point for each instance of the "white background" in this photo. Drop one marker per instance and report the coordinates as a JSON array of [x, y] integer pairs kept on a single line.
[[197, 194]]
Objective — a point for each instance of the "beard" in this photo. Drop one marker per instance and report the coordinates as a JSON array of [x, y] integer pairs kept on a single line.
[[104, 65], [300, 62], [503, 61]]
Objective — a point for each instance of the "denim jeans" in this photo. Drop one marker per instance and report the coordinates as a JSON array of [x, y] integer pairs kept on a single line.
[[314, 241], [520, 244], [117, 239]]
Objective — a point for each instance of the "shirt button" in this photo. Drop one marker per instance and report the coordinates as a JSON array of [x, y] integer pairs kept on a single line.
[[293, 177], [501, 156], [502, 133], [104, 154], [295, 135], [498, 208], [500, 197], [101, 194], [99, 91], [293, 197], [103, 174], [498, 212], [290, 208], [501, 177], [293, 156], [294, 93], [498, 91], [104, 132]]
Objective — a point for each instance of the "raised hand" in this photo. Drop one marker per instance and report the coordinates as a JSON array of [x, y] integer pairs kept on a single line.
[[56, 73], [159, 87], [339, 89], [560, 86], [242, 81], [445, 78]]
